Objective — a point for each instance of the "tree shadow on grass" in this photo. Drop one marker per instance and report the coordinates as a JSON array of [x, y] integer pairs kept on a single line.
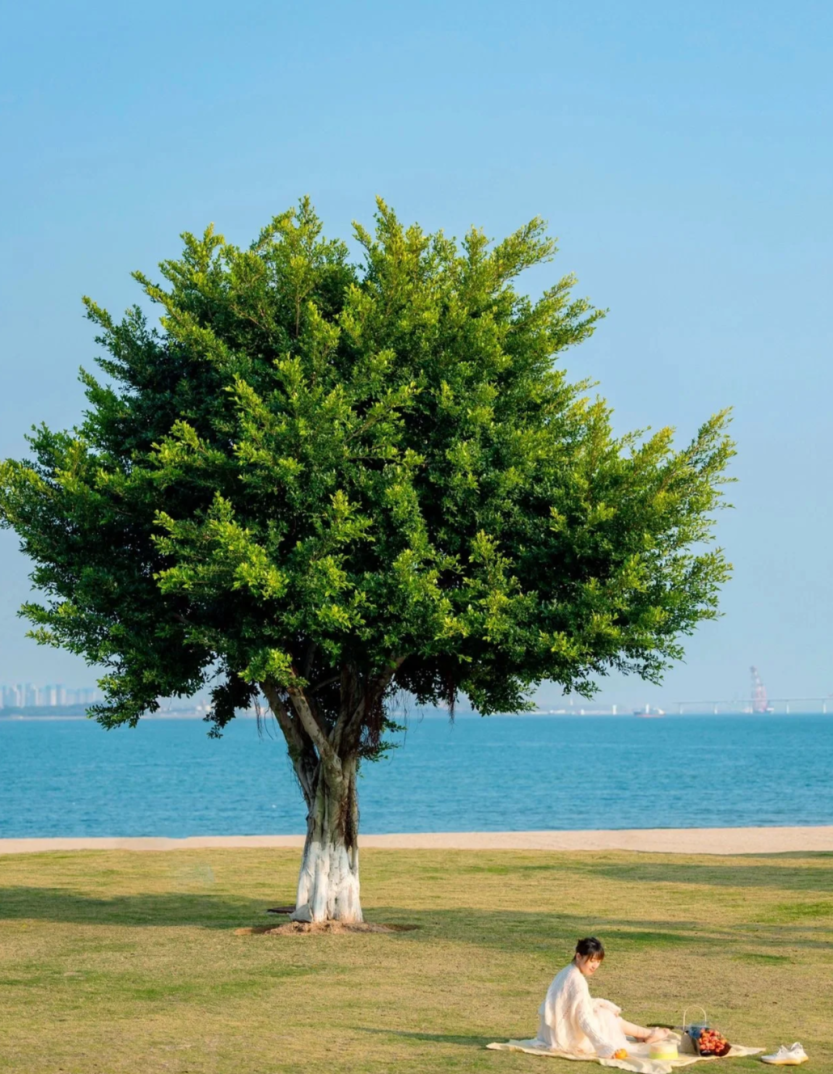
[[524, 928], [498, 928], [210, 911], [528, 931], [756, 874], [791, 871], [517, 931]]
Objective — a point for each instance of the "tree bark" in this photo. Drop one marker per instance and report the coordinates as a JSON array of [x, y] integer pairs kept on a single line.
[[328, 884]]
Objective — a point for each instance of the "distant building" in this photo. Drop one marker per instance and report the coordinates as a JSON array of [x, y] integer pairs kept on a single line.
[[53, 695]]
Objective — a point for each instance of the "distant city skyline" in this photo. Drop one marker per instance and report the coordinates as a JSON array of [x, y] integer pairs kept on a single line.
[[52, 695], [629, 693], [30, 696]]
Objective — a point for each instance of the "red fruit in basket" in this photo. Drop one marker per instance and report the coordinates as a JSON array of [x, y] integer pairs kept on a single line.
[[713, 1043]]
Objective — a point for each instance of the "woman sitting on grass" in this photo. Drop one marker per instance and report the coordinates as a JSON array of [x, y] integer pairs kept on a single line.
[[571, 1021]]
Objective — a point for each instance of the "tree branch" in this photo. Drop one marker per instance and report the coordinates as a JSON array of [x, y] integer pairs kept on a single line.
[[350, 719], [283, 717], [324, 682], [347, 708], [300, 746], [329, 757], [309, 657]]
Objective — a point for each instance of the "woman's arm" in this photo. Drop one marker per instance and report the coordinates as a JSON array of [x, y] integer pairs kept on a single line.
[[589, 1023]]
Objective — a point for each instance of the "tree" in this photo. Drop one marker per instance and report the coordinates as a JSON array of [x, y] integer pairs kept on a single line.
[[326, 483]]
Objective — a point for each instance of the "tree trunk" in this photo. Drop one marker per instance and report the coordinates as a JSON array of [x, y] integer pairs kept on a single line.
[[325, 754], [328, 884]]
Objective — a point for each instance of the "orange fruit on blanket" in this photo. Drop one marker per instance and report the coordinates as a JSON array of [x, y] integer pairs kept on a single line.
[[621, 1054]]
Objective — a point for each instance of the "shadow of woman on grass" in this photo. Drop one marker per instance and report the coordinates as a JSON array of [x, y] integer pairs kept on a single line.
[[434, 1038]]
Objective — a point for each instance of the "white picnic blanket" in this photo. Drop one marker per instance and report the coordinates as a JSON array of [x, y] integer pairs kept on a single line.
[[638, 1060]]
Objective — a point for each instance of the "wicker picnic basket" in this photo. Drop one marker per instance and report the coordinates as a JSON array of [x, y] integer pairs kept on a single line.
[[694, 1032]]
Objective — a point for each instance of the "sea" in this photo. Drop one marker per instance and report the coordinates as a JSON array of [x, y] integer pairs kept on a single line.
[[166, 777]]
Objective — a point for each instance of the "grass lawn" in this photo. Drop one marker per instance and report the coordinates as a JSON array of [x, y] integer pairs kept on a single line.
[[127, 962]]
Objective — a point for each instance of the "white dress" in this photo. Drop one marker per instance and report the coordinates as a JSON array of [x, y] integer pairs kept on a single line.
[[572, 1021]]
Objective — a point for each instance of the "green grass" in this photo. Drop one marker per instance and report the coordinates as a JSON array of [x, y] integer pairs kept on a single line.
[[118, 962]]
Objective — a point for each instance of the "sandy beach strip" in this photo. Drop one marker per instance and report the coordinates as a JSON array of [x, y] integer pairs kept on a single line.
[[656, 840]]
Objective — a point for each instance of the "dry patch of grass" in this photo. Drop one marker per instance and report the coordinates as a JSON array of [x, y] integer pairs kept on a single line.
[[116, 962]]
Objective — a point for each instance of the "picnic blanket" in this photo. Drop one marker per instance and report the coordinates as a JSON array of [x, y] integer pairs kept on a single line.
[[638, 1060]]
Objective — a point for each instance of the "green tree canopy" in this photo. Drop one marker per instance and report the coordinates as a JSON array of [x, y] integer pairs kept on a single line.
[[329, 482]]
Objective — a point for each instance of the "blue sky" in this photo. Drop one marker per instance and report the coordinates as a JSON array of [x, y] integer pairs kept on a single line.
[[682, 153]]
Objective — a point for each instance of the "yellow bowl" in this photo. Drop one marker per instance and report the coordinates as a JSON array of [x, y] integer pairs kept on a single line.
[[664, 1050]]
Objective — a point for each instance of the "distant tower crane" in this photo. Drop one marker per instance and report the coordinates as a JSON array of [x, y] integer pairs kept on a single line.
[[759, 701]]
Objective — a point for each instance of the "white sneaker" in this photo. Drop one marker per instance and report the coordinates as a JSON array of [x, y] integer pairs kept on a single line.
[[787, 1057]]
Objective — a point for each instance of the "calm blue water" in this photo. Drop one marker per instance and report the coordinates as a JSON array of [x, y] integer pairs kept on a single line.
[[72, 778]]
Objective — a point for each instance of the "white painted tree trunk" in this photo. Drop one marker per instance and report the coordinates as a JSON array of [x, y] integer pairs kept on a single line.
[[328, 884]]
